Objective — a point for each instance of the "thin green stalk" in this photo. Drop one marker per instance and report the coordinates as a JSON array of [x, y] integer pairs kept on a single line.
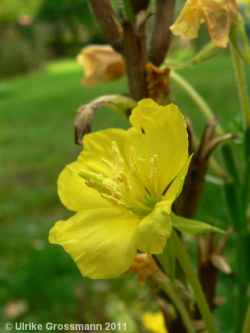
[[242, 87], [187, 267], [205, 109], [241, 301], [164, 283], [241, 298], [246, 324]]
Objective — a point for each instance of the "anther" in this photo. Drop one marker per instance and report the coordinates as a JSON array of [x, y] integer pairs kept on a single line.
[[116, 152], [132, 161]]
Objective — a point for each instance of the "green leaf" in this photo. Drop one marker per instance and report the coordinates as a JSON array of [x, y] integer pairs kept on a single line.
[[86, 113], [190, 226]]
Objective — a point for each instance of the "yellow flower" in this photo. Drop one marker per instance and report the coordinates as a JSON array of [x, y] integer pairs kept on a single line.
[[101, 64], [122, 187], [218, 15], [154, 322]]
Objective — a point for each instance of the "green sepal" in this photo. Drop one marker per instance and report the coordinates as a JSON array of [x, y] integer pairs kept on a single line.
[[189, 226], [239, 40], [167, 259], [230, 162], [86, 113]]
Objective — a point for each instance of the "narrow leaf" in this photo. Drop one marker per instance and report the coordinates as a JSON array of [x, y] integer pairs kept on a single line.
[[190, 226]]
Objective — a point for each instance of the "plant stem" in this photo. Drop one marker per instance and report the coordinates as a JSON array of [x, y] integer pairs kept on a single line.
[[164, 283], [242, 87], [187, 267], [205, 109], [246, 323]]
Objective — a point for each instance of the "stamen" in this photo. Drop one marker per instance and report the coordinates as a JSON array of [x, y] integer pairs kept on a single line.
[[132, 161], [114, 201], [116, 152], [123, 178], [153, 171]]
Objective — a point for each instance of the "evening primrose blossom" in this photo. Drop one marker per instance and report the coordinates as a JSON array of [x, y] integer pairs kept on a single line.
[[218, 15], [154, 322], [122, 187]]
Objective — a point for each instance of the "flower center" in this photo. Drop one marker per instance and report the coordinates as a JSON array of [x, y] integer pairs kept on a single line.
[[117, 188]]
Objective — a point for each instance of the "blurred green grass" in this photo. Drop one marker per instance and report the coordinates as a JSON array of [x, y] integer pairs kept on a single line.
[[37, 140]]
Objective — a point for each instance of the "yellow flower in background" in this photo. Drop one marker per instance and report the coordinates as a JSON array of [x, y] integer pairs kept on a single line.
[[122, 188], [154, 322], [218, 15], [101, 64]]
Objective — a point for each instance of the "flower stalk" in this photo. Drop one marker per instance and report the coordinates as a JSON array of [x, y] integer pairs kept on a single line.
[[164, 283], [187, 267]]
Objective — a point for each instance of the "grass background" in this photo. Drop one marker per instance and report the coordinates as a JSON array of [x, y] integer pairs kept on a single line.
[[37, 140]]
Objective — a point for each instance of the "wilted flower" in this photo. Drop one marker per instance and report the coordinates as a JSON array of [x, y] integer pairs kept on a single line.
[[157, 82], [144, 266], [154, 322], [122, 187], [101, 64], [218, 15]]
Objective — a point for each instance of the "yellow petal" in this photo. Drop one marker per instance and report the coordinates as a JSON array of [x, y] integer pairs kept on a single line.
[[101, 241], [189, 20], [73, 192], [176, 187], [154, 230], [154, 322], [165, 136]]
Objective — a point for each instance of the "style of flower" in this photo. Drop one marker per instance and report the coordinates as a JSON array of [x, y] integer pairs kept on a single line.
[[101, 63], [218, 15], [122, 188], [154, 322]]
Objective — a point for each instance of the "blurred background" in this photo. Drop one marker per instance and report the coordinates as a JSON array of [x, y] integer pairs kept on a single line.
[[40, 91]]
